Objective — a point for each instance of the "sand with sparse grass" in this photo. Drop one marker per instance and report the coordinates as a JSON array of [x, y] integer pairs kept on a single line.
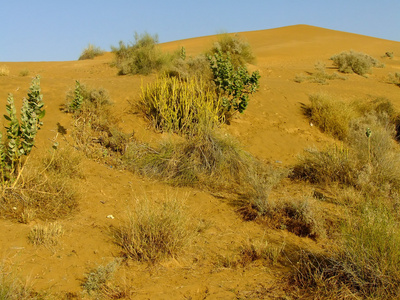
[[230, 256]]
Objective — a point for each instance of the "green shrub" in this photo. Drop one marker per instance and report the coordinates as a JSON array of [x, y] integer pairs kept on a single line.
[[91, 52], [182, 106], [21, 134], [155, 231], [355, 62], [142, 57], [239, 50], [77, 101], [234, 84]]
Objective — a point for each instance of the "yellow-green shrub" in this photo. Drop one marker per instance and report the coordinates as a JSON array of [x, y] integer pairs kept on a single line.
[[172, 104]]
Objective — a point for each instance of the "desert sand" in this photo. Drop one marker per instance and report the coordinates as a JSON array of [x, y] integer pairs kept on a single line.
[[273, 128]]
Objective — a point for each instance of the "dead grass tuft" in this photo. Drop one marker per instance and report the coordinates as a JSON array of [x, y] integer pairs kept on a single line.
[[155, 230], [330, 115], [47, 234], [209, 160]]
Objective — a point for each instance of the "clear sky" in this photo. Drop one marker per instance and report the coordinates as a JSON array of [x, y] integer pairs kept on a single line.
[[58, 30]]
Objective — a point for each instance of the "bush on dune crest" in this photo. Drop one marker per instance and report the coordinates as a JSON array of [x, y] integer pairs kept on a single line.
[[141, 57], [90, 52]]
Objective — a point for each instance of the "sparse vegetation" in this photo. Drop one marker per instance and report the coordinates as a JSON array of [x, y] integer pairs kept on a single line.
[[156, 230], [90, 52], [355, 62], [319, 76], [96, 130]]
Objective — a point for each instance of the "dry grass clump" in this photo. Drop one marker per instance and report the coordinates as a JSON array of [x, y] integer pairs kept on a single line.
[[47, 234], [355, 62], [210, 160], [334, 164], [367, 264], [250, 252], [4, 70], [90, 52], [320, 76], [156, 230], [181, 106], [330, 115], [45, 189]]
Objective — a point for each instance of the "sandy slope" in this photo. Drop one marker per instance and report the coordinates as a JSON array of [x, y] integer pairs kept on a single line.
[[272, 128]]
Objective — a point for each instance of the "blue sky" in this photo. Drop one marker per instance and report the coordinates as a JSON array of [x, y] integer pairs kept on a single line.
[[58, 30]]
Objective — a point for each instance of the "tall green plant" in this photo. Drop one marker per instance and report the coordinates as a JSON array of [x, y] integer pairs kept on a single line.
[[76, 103], [234, 83], [21, 134]]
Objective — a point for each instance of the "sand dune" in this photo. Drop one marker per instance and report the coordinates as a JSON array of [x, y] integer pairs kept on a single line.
[[273, 129]]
